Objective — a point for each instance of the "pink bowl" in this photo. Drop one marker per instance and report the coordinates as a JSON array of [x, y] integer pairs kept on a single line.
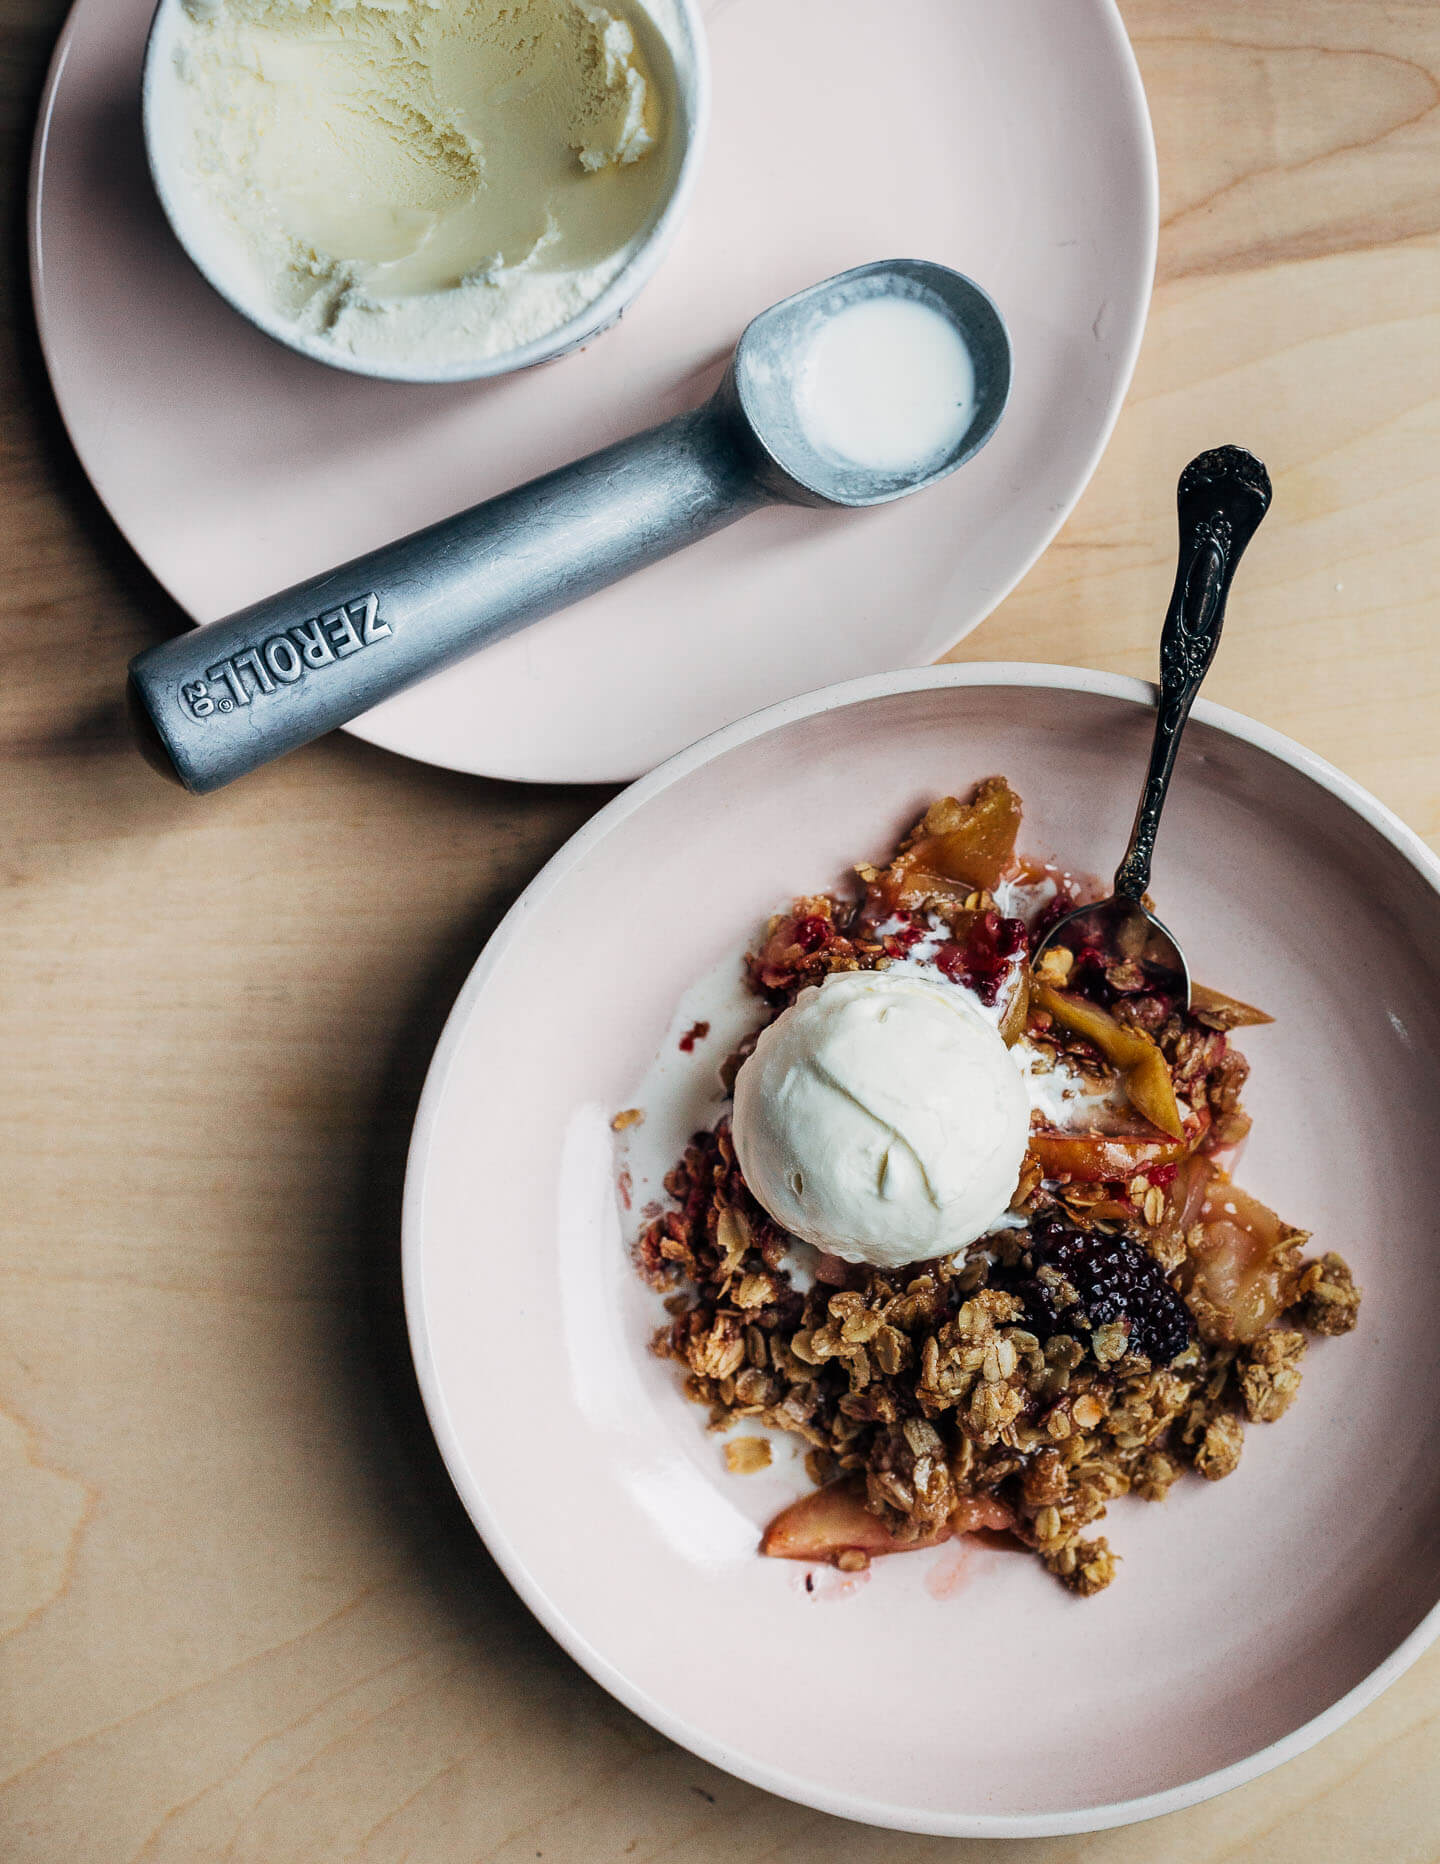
[[1251, 1617]]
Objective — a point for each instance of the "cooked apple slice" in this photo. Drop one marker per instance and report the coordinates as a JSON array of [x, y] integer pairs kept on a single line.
[[1184, 1203], [979, 1513], [1222, 1012], [832, 1521], [1244, 1267], [959, 848], [1108, 1158], [1136, 1056], [1015, 997], [835, 1520]]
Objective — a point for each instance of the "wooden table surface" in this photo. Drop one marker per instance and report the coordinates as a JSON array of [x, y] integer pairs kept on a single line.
[[242, 1614]]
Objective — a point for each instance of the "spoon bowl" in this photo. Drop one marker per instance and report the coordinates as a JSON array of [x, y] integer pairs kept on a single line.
[[1125, 933]]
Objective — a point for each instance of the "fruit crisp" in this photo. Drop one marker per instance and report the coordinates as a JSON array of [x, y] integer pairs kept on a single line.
[[1136, 1310]]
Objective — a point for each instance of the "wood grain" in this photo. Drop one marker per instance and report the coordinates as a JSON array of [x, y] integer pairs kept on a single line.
[[241, 1614]]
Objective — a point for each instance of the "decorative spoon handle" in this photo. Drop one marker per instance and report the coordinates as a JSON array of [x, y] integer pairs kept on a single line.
[[1222, 497]]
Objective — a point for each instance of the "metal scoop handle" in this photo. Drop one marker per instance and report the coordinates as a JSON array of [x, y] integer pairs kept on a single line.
[[1222, 497], [218, 702]]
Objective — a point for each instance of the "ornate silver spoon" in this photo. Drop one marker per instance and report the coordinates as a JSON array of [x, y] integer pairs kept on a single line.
[[1222, 497]]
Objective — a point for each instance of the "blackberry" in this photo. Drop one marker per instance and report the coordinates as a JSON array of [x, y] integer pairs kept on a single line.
[[1115, 1278]]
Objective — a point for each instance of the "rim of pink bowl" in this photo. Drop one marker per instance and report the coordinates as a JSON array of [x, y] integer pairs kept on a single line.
[[774, 1778]]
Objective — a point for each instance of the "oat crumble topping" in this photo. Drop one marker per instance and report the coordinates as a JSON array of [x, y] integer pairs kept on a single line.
[[1142, 1310]]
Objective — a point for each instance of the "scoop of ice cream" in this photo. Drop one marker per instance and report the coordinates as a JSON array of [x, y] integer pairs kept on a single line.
[[882, 1119]]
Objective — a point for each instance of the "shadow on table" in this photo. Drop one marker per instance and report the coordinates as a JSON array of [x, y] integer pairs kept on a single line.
[[392, 1434], [96, 781]]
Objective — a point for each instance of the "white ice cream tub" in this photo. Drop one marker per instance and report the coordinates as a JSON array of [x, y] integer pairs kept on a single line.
[[218, 255]]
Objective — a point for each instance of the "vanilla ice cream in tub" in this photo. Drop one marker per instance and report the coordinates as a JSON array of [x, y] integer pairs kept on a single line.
[[427, 190]]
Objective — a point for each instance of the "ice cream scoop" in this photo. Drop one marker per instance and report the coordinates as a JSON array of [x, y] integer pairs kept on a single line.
[[219, 702], [882, 1119]]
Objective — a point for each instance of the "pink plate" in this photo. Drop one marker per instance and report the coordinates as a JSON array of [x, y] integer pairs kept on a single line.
[[1250, 1617], [1009, 140]]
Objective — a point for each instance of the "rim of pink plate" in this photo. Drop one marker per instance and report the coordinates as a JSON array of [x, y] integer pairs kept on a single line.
[[378, 731]]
